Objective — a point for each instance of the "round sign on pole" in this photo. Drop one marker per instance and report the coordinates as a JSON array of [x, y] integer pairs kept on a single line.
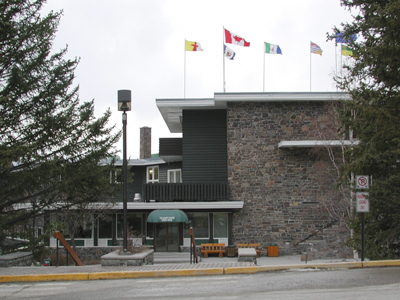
[[362, 182]]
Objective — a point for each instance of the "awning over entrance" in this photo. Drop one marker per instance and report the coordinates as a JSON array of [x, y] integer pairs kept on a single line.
[[167, 215]]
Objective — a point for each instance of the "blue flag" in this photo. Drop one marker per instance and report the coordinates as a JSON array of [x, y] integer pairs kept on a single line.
[[340, 38]]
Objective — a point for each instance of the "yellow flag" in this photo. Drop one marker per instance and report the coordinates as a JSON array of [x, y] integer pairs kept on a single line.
[[346, 51], [192, 46]]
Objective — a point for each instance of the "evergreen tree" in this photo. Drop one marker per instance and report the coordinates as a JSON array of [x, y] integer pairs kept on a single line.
[[373, 80], [52, 148]]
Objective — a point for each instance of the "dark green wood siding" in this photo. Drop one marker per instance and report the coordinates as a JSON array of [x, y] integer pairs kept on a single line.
[[170, 146], [204, 146]]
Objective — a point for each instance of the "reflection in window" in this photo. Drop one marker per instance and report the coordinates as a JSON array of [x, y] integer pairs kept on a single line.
[[199, 223], [68, 223], [134, 224], [220, 225], [174, 176], [105, 227]]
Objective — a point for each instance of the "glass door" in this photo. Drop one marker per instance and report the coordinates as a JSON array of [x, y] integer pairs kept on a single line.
[[166, 237]]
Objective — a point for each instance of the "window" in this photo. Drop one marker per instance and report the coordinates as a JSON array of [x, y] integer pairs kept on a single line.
[[134, 224], [105, 227], [82, 225], [220, 225], [199, 222], [174, 176], [116, 176], [152, 174]]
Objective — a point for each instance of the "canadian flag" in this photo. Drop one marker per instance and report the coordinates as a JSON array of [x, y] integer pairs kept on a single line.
[[232, 38]]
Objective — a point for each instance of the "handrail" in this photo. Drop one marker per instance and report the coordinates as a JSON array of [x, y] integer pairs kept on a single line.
[[193, 244], [315, 233], [58, 235]]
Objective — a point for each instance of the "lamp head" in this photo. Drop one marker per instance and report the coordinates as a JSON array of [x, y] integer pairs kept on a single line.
[[124, 100]]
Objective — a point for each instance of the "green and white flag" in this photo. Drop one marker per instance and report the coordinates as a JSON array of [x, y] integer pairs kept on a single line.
[[272, 49]]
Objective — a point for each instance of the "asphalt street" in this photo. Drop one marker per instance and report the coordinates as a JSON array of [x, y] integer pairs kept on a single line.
[[322, 284]]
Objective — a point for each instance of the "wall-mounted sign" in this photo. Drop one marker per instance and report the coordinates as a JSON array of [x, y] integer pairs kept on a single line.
[[362, 181], [362, 202]]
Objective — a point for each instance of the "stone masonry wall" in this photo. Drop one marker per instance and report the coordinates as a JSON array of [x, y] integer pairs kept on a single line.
[[145, 142], [88, 255], [285, 194]]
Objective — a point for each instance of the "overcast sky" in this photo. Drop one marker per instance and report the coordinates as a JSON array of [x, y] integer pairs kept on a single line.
[[139, 45]]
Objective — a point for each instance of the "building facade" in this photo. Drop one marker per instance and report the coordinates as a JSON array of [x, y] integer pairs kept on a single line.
[[249, 168], [265, 146]]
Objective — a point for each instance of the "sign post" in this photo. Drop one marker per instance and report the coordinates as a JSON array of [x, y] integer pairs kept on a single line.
[[362, 206]]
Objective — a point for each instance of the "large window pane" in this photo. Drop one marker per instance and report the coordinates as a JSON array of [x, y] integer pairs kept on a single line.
[[134, 224], [220, 225], [80, 224], [199, 222], [105, 227]]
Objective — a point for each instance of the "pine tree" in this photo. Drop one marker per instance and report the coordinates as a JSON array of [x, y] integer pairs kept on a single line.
[[52, 148], [373, 80]]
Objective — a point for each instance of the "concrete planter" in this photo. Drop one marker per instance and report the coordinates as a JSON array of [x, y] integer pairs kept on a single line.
[[136, 259]]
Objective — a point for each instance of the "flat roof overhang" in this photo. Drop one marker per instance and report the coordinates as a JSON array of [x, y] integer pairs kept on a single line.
[[171, 109], [210, 205], [317, 143]]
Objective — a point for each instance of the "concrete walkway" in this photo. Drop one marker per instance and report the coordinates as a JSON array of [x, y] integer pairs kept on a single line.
[[207, 266]]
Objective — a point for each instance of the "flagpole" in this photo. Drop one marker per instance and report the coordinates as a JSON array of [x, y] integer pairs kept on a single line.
[[336, 56], [341, 61], [184, 69], [223, 57], [310, 66], [264, 69]]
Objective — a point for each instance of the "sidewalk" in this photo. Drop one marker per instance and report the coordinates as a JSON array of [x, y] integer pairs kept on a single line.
[[207, 266]]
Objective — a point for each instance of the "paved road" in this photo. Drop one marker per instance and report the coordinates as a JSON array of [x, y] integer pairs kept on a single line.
[[374, 283]]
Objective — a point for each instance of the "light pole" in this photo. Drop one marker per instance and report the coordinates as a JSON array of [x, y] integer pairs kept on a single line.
[[124, 105]]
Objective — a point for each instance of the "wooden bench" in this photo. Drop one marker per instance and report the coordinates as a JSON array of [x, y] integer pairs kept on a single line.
[[255, 246], [213, 248]]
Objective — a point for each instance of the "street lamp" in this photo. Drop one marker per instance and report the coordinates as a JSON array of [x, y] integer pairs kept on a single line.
[[124, 105]]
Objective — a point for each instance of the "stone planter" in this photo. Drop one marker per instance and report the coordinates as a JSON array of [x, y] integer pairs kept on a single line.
[[16, 259], [136, 259]]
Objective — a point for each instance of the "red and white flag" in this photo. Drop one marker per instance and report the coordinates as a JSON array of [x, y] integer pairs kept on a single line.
[[232, 38]]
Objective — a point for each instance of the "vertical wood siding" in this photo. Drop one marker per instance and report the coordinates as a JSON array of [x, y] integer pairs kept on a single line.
[[204, 146]]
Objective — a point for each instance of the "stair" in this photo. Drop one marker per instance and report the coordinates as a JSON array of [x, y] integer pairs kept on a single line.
[[172, 258]]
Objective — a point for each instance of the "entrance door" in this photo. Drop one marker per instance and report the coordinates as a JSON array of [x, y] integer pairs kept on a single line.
[[166, 237]]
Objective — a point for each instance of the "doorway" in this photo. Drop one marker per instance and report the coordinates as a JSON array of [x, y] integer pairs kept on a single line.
[[166, 237]]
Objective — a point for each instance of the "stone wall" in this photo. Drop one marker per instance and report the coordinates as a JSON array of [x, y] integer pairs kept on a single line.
[[287, 193], [16, 259], [145, 142], [88, 255]]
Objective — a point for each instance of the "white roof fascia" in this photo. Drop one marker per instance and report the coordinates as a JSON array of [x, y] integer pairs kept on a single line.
[[178, 205], [185, 103], [171, 110], [316, 143], [141, 162]]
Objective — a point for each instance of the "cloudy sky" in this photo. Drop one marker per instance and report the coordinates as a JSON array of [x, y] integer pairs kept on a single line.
[[139, 45]]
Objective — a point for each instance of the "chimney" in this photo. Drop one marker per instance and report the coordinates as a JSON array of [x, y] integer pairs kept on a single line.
[[145, 142]]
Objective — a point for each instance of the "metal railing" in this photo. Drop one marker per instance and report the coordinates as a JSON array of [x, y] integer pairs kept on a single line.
[[190, 192]]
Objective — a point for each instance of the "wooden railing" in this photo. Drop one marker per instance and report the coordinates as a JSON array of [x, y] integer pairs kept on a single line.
[[191, 192], [58, 235]]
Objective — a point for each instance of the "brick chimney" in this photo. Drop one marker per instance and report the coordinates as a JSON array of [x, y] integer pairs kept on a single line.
[[145, 142]]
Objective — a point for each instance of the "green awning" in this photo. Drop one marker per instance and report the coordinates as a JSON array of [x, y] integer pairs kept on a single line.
[[167, 215]]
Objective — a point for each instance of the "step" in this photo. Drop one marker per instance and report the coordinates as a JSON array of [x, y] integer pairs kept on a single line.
[[171, 257]]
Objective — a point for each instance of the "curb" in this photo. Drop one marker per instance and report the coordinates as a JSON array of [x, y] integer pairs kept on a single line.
[[192, 272]]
